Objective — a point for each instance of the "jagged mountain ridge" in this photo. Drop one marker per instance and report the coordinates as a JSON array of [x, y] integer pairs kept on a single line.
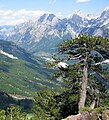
[[47, 31], [100, 25]]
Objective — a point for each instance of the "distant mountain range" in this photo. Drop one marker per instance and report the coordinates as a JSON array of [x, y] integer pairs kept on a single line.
[[47, 31]]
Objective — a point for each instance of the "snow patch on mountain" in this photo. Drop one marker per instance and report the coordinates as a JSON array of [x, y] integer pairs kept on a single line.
[[85, 15], [8, 55], [62, 65], [103, 62], [106, 9]]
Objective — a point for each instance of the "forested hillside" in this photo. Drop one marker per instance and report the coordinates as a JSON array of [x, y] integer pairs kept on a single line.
[[20, 73]]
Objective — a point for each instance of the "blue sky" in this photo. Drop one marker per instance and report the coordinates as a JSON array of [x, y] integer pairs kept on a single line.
[[64, 6], [61, 8]]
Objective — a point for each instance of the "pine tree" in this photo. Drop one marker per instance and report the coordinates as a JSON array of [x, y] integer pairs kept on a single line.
[[2, 115], [89, 52], [45, 107], [15, 113]]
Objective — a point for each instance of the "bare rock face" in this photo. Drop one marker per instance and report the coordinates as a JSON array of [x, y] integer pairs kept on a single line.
[[90, 115], [73, 117], [83, 116]]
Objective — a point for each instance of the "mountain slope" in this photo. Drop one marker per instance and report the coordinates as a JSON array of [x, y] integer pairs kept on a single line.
[[6, 100], [98, 26], [24, 75]]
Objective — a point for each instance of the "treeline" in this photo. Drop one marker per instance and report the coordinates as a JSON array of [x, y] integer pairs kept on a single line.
[[82, 65]]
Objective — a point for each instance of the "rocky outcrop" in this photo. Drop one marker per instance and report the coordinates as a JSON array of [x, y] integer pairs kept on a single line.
[[96, 114]]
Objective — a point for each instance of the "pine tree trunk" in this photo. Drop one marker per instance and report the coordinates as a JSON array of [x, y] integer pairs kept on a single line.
[[84, 85]]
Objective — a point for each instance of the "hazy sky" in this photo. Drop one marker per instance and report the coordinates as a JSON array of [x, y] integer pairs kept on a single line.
[[21, 10]]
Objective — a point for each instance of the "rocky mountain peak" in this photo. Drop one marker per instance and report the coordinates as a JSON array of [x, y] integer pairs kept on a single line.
[[46, 17], [84, 15], [105, 13], [80, 13], [106, 9]]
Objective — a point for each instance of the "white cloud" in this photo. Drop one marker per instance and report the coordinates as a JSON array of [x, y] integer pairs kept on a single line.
[[12, 17], [82, 1], [52, 1]]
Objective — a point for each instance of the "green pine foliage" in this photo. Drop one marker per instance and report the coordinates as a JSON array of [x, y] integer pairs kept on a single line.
[[15, 113], [46, 107], [91, 49], [2, 115]]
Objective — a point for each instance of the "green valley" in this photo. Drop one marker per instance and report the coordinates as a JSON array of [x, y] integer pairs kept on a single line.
[[24, 75]]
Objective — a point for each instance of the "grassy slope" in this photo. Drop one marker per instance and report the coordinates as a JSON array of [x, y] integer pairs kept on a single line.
[[22, 77], [25, 75]]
